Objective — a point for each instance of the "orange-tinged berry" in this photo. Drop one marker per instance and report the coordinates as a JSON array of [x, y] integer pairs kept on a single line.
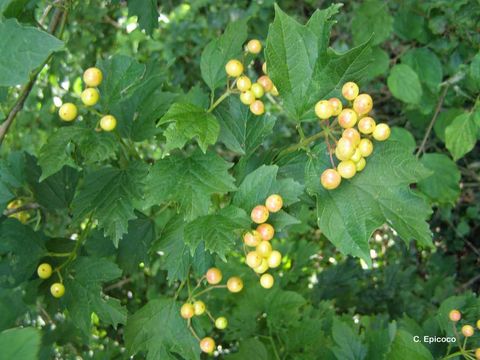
[[467, 330], [207, 345], [252, 238], [350, 90], [187, 311], [347, 169], [213, 276], [234, 284], [254, 46], [363, 104], [257, 107], [330, 179], [347, 118], [274, 203], [336, 105], [266, 83], [366, 125], [266, 231], [234, 68], [324, 109], [92, 77], [454, 315], [259, 214], [353, 135]]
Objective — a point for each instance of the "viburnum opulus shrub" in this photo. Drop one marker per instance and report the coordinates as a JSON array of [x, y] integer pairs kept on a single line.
[[182, 181]]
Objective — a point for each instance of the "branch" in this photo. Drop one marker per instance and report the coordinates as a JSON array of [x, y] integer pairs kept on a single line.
[[18, 106], [25, 207]]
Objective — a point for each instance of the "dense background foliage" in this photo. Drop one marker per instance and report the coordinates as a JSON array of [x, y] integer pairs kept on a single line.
[[143, 212]]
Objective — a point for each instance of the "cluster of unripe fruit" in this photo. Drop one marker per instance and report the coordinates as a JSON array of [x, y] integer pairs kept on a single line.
[[92, 77], [264, 257], [355, 145], [467, 330], [44, 272], [251, 93], [197, 307]]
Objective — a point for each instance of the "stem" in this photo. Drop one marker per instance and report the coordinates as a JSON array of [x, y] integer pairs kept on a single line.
[[209, 289], [192, 330], [18, 106], [432, 122], [16, 210], [301, 144], [219, 100], [54, 254], [180, 287]]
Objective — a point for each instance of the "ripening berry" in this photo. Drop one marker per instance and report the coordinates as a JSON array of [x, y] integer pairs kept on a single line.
[[347, 118], [274, 203], [57, 290], [363, 104], [257, 107], [234, 68], [264, 249], [68, 112], [344, 149], [274, 91], [357, 155], [347, 169], [477, 353], [365, 147], [275, 259], [108, 122], [253, 259], [478, 324], [199, 307], [324, 109], [252, 238], [266, 83], [350, 90], [92, 77], [234, 284], [207, 345], [360, 164], [187, 311], [366, 125], [262, 268], [44, 271], [257, 90], [243, 83], [266, 231], [221, 323], [336, 105], [467, 330], [353, 135], [330, 179], [90, 96], [264, 67], [254, 46], [454, 315], [213, 276], [267, 280], [381, 132], [259, 214], [247, 97]]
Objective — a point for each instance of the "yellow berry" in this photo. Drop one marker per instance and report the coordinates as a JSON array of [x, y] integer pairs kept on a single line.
[[257, 90], [347, 118], [259, 214], [365, 147], [330, 179], [336, 105], [262, 268], [267, 280], [254, 46], [90, 96], [347, 169], [274, 203], [234, 68], [477, 353], [381, 132], [264, 67], [68, 112], [274, 91], [264, 249], [187, 311], [243, 83], [252, 238], [207, 345], [344, 149], [108, 122], [221, 323], [257, 107], [57, 290], [467, 330], [247, 97], [234, 284], [360, 164], [350, 90], [213, 276], [324, 109], [199, 307], [92, 77], [366, 125], [363, 104], [253, 259], [275, 259], [357, 155], [44, 271]]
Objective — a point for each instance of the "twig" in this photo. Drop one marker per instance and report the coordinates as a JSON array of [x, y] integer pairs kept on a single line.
[[118, 284], [432, 122], [25, 207], [468, 283], [18, 106]]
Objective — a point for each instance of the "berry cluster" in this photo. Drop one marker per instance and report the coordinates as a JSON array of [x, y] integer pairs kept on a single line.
[[264, 257], [92, 77], [251, 93], [44, 272], [467, 331], [193, 307], [355, 145]]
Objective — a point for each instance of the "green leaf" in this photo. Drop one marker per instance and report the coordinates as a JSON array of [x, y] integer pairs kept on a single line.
[[404, 84], [21, 249], [403, 136], [250, 349], [146, 12], [301, 67], [11, 176], [443, 186], [348, 345], [474, 69], [55, 192], [20, 343], [121, 74], [379, 194], [83, 294], [158, 330], [219, 51], [57, 152], [409, 25], [372, 17], [218, 231], [461, 135], [261, 183], [23, 48], [426, 65], [192, 122], [444, 120], [109, 195], [189, 181], [240, 130], [404, 348], [380, 63]]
